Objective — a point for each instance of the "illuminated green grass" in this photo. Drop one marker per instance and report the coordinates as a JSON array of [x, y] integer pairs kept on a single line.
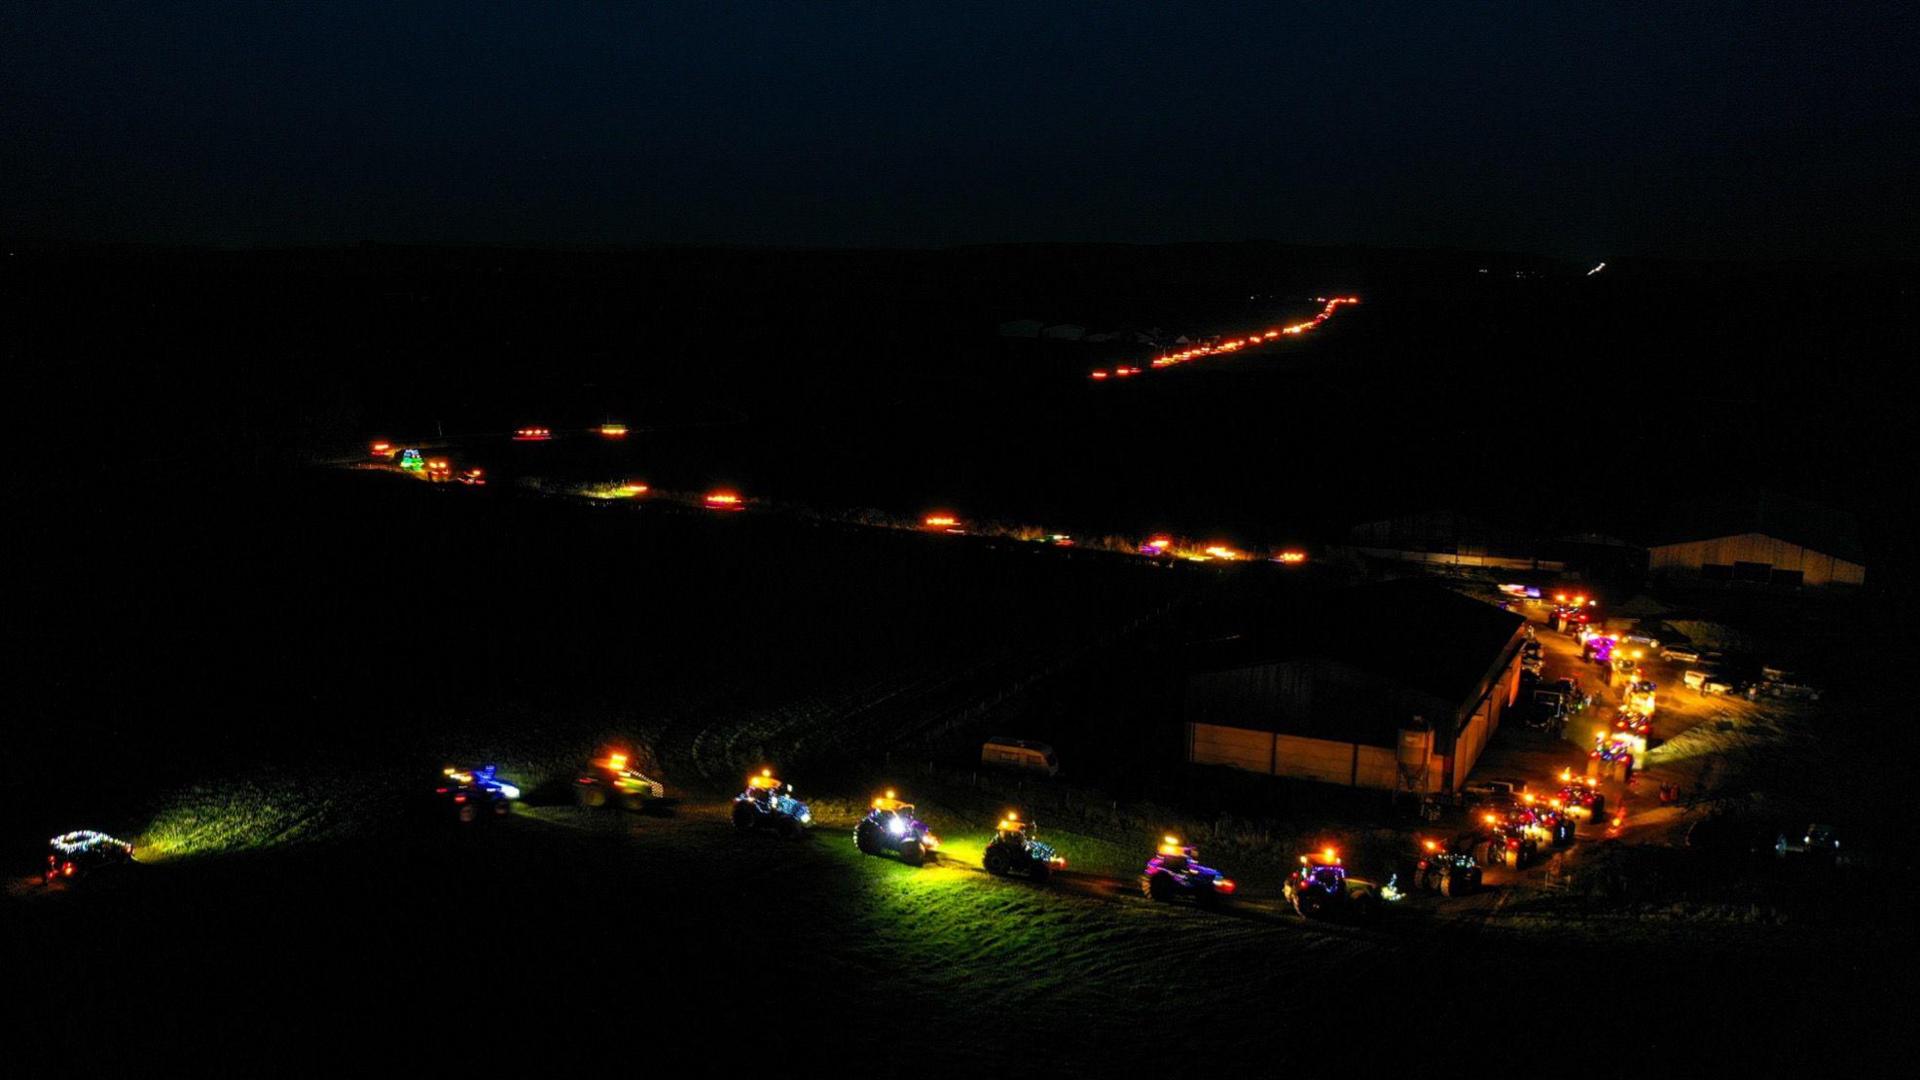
[[238, 815]]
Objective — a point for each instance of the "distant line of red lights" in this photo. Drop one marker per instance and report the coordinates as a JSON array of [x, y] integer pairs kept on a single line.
[[1231, 345]]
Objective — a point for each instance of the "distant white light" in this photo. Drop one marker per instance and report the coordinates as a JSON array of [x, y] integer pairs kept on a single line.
[[1597, 269]]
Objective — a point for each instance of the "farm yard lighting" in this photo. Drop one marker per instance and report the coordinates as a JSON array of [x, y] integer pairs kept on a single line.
[[613, 431], [940, 521], [723, 500], [1292, 558], [532, 434]]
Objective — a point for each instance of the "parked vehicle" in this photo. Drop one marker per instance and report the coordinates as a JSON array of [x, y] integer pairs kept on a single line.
[[1019, 754]]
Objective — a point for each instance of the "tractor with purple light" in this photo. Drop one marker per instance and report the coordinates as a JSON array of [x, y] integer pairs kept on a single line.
[[1321, 889], [1175, 872], [890, 826]]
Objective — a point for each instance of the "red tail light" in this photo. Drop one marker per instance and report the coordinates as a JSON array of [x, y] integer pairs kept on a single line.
[[459, 798]]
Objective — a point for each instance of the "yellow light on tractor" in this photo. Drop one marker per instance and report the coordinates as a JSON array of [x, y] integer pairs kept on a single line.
[[1429, 845], [1330, 855], [1490, 819], [617, 762]]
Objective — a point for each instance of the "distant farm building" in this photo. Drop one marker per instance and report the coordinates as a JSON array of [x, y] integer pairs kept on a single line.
[[1392, 686], [1450, 539], [1763, 539]]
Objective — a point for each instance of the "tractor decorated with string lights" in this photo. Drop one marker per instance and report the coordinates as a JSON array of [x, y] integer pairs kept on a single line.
[[769, 805], [1321, 889], [1447, 868], [74, 855], [891, 827], [1016, 848], [1175, 872], [613, 781], [476, 794]]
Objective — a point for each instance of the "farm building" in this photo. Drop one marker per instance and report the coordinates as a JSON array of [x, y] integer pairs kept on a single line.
[[1763, 539], [1450, 539], [1370, 679]]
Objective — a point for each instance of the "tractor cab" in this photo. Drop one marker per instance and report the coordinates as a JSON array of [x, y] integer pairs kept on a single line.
[[74, 854]]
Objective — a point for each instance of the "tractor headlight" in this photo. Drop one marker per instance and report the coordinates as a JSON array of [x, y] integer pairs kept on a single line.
[[896, 827], [509, 791]]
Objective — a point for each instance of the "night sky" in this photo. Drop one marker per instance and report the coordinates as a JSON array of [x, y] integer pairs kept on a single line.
[[1581, 130]]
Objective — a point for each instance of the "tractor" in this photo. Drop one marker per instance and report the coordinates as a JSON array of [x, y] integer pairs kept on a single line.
[[1175, 872], [1321, 889], [1016, 848], [890, 826], [612, 781], [769, 804]]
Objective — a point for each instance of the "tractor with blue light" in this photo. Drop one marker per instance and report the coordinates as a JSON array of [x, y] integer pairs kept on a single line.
[[890, 826], [476, 794], [1175, 872], [1016, 848], [74, 855], [769, 804], [1321, 889]]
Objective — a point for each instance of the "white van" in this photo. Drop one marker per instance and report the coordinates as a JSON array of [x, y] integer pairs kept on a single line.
[[1019, 754]]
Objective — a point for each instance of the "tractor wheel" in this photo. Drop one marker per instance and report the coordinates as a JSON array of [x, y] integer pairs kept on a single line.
[[1434, 881], [865, 840], [591, 796], [996, 862], [1450, 883], [1310, 903], [912, 853], [467, 813], [743, 816], [1157, 888], [502, 808]]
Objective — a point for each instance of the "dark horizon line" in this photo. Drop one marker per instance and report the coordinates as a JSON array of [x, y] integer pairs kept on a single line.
[[110, 247]]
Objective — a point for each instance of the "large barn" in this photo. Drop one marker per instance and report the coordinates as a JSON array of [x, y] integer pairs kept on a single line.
[[1369, 680], [1763, 539]]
